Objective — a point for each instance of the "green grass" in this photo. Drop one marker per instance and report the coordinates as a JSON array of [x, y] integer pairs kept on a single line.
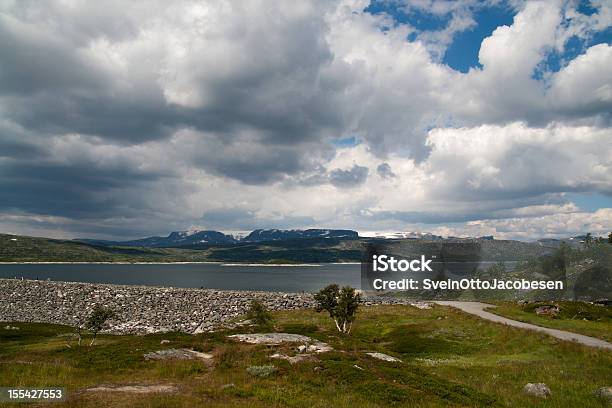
[[449, 359], [577, 317]]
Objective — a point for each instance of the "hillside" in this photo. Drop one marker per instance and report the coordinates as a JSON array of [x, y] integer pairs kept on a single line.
[[302, 249], [15, 248], [32, 249]]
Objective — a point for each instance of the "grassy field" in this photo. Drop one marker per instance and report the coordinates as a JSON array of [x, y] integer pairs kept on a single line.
[[448, 359], [577, 317]]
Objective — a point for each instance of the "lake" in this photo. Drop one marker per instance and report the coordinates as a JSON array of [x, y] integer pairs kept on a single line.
[[208, 275], [214, 276]]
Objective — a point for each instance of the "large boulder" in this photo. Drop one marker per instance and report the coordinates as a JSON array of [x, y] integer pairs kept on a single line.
[[604, 393], [539, 390], [547, 310]]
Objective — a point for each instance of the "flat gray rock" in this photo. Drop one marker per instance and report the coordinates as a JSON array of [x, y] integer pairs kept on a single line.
[[275, 339], [384, 357], [292, 359], [135, 389], [177, 354], [271, 338], [422, 305]]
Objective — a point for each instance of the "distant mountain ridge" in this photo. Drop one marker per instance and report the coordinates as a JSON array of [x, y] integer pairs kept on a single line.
[[196, 237], [179, 238], [260, 235], [284, 247]]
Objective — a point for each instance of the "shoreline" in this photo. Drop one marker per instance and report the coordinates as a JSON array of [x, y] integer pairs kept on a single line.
[[104, 263], [171, 263], [275, 265]]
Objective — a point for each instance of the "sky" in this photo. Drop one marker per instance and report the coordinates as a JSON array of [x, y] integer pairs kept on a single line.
[[124, 119]]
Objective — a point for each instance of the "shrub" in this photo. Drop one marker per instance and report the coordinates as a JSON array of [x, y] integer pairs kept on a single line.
[[262, 371], [97, 320], [259, 314], [341, 304]]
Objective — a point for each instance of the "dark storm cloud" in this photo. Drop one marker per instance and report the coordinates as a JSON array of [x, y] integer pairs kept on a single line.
[[495, 209], [33, 62], [256, 170], [233, 218], [354, 177], [384, 171], [247, 159], [117, 120], [50, 84], [16, 147], [70, 190]]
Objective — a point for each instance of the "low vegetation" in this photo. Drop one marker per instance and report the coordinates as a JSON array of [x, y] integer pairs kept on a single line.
[[447, 359], [578, 317], [340, 304], [98, 320], [259, 314]]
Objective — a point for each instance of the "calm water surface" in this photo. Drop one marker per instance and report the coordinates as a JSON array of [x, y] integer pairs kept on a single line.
[[214, 276]]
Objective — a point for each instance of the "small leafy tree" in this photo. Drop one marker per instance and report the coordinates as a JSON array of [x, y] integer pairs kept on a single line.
[[341, 304], [259, 314], [610, 238], [97, 320], [77, 334], [588, 239]]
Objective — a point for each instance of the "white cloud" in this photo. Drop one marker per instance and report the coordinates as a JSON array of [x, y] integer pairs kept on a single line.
[[561, 225], [215, 113], [586, 81]]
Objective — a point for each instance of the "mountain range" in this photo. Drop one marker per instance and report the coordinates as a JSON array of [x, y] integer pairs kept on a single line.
[[198, 237], [259, 246]]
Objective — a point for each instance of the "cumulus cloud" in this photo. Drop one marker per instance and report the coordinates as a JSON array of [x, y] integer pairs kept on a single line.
[[352, 177], [137, 119], [551, 225]]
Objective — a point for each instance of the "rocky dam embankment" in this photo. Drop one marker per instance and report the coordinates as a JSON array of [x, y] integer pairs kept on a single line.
[[140, 309]]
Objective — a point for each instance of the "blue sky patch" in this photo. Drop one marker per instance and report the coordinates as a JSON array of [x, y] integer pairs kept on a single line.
[[346, 142], [462, 54], [416, 18], [574, 47], [590, 201]]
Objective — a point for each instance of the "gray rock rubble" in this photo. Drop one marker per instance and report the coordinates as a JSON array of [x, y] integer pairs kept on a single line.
[[142, 309]]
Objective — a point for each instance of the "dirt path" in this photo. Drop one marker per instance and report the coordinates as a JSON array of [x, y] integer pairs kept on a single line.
[[477, 308]]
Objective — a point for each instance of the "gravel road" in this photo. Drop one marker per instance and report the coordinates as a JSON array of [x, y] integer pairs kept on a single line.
[[478, 309]]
